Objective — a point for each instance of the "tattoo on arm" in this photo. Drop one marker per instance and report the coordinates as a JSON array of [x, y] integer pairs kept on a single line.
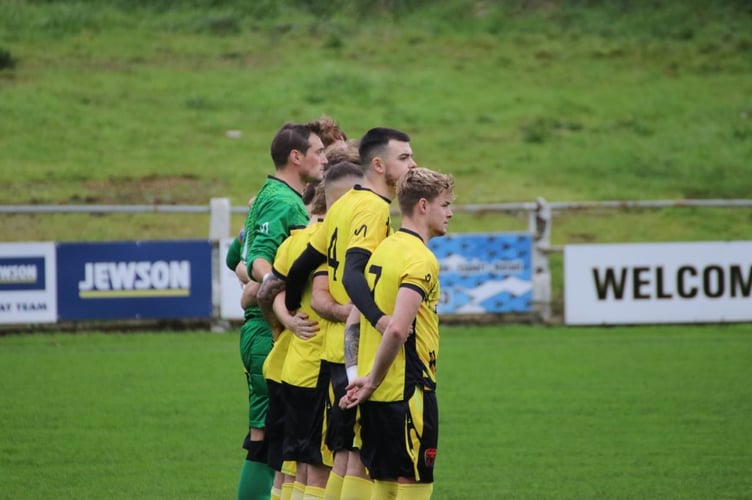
[[270, 287], [352, 343]]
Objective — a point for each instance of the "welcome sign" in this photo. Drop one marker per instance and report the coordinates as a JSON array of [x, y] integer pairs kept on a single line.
[[658, 283]]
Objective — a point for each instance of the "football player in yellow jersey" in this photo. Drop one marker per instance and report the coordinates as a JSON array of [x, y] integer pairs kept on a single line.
[[352, 229], [295, 428], [397, 370]]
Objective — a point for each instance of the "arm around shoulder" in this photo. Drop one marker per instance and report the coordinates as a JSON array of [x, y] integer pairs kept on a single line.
[[324, 304]]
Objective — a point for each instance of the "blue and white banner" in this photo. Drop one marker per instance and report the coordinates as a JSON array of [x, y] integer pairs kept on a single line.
[[27, 283], [134, 280], [484, 273]]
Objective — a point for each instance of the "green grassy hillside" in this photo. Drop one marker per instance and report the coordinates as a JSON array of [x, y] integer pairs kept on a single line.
[[130, 102]]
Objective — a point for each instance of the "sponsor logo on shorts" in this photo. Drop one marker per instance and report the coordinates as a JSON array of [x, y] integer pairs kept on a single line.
[[429, 457]]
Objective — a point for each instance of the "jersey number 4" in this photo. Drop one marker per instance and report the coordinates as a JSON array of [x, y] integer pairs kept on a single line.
[[331, 257]]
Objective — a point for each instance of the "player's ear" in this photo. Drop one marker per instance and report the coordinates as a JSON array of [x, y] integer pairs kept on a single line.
[[378, 165], [295, 157]]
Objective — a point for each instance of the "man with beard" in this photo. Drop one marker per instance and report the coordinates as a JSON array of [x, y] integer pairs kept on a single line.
[[351, 231]]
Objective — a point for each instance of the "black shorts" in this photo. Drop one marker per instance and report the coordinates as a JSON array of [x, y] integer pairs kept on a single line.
[[400, 438], [304, 423], [275, 425], [340, 429]]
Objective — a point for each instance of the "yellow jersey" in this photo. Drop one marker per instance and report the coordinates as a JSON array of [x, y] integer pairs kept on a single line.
[[289, 350], [358, 219], [403, 260]]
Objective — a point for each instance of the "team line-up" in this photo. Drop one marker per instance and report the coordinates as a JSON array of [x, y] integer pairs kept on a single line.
[[341, 340]]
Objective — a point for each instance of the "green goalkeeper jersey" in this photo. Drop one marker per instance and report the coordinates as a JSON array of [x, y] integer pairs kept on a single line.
[[233, 257], [276, 211]]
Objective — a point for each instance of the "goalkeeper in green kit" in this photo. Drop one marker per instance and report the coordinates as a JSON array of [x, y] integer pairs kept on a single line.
[[298, 155]]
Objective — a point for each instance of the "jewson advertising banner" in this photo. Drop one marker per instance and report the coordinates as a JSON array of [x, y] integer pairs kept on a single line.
[[134, 280], [484, 273], [658, 283], [27, 283]]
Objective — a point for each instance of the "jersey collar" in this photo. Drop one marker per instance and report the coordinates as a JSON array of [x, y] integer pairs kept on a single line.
[[408, 231], [286, 184], [358, 187]]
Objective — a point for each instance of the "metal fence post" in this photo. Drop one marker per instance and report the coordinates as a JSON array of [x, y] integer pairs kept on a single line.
[[219, 229], [539, 224], [219, 219]]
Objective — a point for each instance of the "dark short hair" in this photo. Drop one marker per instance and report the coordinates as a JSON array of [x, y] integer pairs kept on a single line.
[[373, 142], [291, 137]]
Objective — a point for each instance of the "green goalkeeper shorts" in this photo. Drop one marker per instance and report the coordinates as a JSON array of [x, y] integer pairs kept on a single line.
[[255, 344]]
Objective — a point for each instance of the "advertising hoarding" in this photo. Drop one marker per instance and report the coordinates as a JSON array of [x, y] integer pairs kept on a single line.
[[484, 273], [134, 280], [230, 286], [658, 283], [27, 283]]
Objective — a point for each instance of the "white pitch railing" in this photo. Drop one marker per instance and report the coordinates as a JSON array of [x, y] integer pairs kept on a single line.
[[538, 213]]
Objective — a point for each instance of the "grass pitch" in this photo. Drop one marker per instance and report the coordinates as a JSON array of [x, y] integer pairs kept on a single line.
[[526, 413]]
